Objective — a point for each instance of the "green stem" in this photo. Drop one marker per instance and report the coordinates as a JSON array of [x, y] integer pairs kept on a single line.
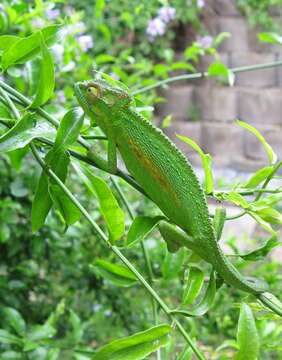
[[205, 74], [268, 179], [144, 251], [119, 254], [217, 193]]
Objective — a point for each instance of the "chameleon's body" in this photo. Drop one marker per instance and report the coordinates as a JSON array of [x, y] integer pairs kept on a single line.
[[161, 170]]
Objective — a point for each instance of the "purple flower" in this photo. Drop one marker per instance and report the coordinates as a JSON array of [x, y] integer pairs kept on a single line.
[[85, 42], [52, 14], [156, 27], [61, 96], [167, 13], [205, 42], [200, 3]]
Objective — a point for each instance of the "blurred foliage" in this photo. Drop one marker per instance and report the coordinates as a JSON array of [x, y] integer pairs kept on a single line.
[[261, 12]]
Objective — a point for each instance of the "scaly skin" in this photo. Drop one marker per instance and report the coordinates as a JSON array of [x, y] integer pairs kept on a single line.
[[161, 170]]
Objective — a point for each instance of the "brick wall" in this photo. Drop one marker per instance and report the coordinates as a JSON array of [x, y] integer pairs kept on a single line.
[[205, 111]]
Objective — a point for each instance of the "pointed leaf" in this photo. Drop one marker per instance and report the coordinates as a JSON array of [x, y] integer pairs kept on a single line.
[[263, 223], [110, 209], [218, 221], [26, 48], [194, 283], [7, 41], [258, 177], [172, 264], [141, 227], [271, 154], [206, 302], [25, 130], [238, 200], [7, 338], [263, 251], [13, 319], [135, 347], [69, 128], [46, 81], [206, 162], [247, 335], [270, 215], [119, 275], [58, 161], [68, 210]]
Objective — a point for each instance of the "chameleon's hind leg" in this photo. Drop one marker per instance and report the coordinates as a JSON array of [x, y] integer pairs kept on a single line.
[[176, 238]]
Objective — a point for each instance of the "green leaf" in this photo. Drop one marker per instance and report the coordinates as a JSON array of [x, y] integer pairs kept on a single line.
[[104, 58], [238, 200], [194, 283], [7, 338], [206, 162], [46, 81], [268, 201], [218, 221], [141, 227], [67, 209], [218, 69], [7, 41], [271, 154], [263, 251], [110, 209], [26, 48], [58, 161], [172, 264], [270, 37], [220, 38], [258, 177], [247, 335], [263, 223], [99, 7], [119, 275], [25, 130], [166, 122], [69, 128], [205, 304], [76, 334], [13, 319], [135, 347], [41, 332], [270, 215]]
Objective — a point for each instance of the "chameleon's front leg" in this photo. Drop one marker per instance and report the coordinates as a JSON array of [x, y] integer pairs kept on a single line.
[[109, 165]]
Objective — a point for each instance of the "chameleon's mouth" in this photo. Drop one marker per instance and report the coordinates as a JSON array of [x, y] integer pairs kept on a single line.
[[79, 90]]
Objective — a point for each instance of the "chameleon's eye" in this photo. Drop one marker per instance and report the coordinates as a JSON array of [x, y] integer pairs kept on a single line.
[[91, 90]]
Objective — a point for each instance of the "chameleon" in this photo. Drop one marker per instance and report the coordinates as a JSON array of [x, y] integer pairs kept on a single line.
[[164, 173]]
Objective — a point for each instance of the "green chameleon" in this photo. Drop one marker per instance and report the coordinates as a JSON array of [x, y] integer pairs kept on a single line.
[[166, 176]]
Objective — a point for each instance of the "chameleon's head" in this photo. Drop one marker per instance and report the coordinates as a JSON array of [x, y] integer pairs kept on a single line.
[[98, 95]]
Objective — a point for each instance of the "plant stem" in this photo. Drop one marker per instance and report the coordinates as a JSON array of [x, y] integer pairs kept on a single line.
[[268, 179], [205, 74], [119, 254], [144, 251]]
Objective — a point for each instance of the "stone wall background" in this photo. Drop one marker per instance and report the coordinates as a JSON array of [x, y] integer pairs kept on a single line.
[[205, 110]]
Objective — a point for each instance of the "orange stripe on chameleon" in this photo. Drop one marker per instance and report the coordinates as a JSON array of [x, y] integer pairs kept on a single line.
[[153, 169]]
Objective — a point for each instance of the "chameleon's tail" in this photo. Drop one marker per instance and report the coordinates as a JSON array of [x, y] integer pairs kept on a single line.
[[233, 277]]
